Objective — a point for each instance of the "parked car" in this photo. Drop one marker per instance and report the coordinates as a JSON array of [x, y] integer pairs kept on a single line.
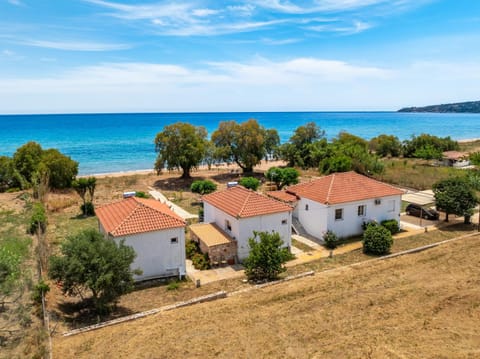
[[417, 210]]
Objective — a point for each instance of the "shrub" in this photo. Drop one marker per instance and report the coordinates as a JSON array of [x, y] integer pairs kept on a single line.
[[201, 261], [367, 224], [391, 225], [191, 248], [173, 285], [38, 220], [141, 194], [377, 240], [88, 209], [203, 187], [40, 289], [250, 183], [330, 239]]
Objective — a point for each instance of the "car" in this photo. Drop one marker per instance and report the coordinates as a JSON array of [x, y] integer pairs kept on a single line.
[[417, 210]]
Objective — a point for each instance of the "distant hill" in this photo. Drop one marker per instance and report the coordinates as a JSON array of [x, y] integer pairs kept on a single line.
[[467, 107]]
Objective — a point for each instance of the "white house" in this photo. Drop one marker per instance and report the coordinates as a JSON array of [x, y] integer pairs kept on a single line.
[[239, 212], [341, 203], [155, 232]]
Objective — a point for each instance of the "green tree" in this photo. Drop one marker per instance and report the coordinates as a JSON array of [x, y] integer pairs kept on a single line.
[[377, 240], [203, 187], [272, 142], [242, 143], [91, 264], [386, 145], [61, 169], [455, 196], [27, 158], [180, 145], [250, 183], [282, 176], [302, 146], [9, 176], [266, 258], [81, 187], [429, 145]]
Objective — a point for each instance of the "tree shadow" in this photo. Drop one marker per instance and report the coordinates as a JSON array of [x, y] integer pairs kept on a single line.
[[175, 184]]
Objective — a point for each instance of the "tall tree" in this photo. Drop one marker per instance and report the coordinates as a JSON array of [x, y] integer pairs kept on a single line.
[[272, 141], [180, 145], [61, 169], [302, 149], [27, 158], [91, 264], [242, 143], [455, 196]]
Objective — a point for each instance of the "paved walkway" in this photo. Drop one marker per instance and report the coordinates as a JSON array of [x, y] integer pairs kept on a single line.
[[177, 209]]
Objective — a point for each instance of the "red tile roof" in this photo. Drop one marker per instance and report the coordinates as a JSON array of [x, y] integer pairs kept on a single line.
[[282, 196], [137, 215], [343, 187], [240, 202]]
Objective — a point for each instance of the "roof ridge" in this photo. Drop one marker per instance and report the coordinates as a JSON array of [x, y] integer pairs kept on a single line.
[[175, 216], [126, 218], [247, 199], [330, 188]]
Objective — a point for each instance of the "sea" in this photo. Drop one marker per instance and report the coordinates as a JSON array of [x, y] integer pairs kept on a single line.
[[120, 142]]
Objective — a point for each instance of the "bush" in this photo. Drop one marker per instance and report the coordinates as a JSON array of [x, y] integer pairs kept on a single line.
[[191, 248], [173, 285], [88, 209], [365, 225], [201, 261], [266, 258], [38, 220], [41, 288], [141, 194], [203, 187], [377, 240], [330, 239], [250, 183], [391, 225]]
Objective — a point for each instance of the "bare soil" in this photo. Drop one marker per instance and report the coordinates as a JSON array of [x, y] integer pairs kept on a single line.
[[425, 305]]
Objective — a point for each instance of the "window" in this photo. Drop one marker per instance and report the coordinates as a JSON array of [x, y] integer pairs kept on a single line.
[[174, 240], [378, 201], [284, 221], [339, 214], [306, 207], [362, 210], [228, 225]]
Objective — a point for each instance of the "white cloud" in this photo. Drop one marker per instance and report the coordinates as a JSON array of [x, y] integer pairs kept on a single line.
[[205, 12], [75, 46]]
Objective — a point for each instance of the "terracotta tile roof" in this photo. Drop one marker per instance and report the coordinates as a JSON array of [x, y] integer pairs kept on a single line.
[[137, 215], [240, 202], [343, 187], [283, 196], [454, 155], [210, 234]]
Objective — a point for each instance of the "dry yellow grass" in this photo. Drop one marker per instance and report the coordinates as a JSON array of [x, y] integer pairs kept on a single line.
[[425, 305]]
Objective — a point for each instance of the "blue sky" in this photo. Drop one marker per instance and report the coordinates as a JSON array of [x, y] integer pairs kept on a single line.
[[63, 56]]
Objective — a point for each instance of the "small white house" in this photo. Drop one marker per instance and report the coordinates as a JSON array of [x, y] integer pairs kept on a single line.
[[341, 203], [239, 212], [155, 232]]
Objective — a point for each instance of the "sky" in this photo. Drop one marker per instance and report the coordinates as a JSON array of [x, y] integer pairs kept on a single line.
[[84, 56]]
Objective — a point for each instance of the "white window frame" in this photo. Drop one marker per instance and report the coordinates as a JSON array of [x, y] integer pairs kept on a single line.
[[341, 214], [362, 210]]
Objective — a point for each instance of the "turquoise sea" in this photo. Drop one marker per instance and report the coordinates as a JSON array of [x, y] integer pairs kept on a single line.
[[104, 143]]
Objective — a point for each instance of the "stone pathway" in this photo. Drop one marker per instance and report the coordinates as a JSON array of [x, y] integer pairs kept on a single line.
[[177, 209]]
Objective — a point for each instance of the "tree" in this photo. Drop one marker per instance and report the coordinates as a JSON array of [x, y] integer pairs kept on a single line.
[[428, 145], [250, 183], [180, 145], [91, 264], [61, 169], [242, 143], [272, 141], [386, 145], [9, 176], [27, 158], [266, 258], [299, 151], [455, 196], [282, 176], [203, 187], [377, 240], [82, 186]]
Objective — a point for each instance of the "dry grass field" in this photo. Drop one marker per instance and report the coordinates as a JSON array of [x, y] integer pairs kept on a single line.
[[426, 305]]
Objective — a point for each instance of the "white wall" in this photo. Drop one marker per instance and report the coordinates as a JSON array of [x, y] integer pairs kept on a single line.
[[320, 218], [243, 228], [351, 224], [156, 255], [266, 223]]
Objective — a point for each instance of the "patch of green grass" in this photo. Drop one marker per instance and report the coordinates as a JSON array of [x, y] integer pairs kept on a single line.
[[302, 246], [62, 225]]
